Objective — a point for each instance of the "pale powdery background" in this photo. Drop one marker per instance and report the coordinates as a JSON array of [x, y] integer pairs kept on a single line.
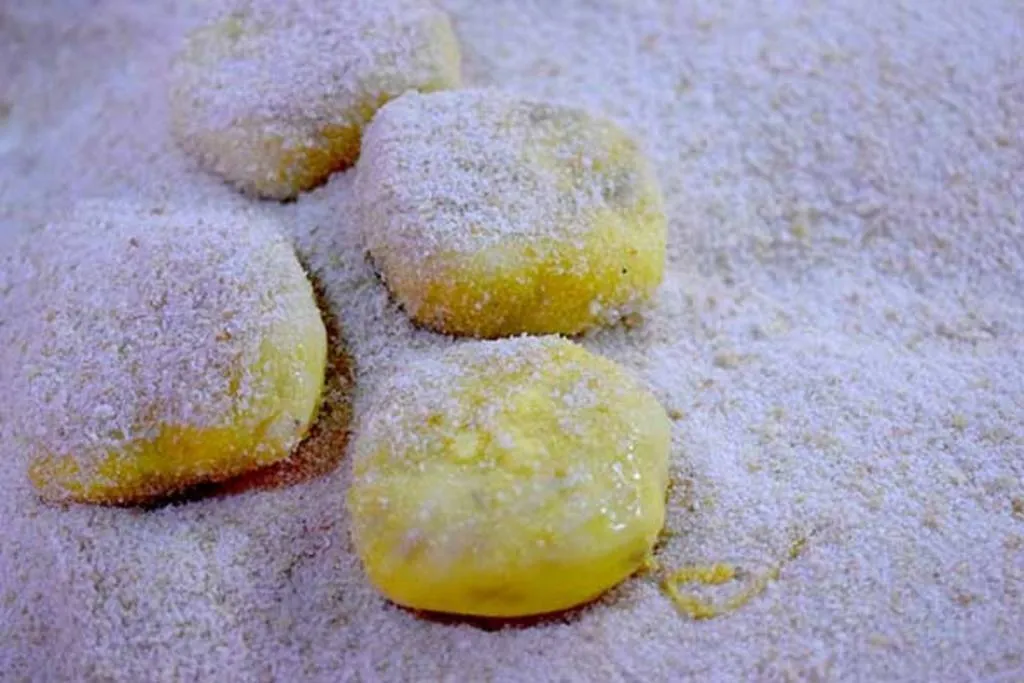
[[840, 337]]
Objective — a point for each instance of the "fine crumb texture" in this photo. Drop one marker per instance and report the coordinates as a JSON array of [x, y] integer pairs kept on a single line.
[[161, 349], [490, 214], [838, 341], [508, 478], [273, 95]]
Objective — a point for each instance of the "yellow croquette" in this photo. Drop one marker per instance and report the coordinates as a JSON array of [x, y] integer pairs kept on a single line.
[[173, 348], [508, 478], [490, 215], [251, 106]]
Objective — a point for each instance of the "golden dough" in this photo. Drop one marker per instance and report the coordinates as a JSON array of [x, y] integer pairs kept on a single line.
[[274, 95], [508, 478], [490, 215], [172, 348]]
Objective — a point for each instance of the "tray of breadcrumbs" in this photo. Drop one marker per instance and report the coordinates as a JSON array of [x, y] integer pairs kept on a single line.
[[444, 340]]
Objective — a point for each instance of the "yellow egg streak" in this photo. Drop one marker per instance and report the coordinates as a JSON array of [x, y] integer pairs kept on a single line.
[[712, 575], [717, 574]]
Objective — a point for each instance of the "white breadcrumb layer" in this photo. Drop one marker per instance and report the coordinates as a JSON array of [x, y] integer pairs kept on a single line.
[[462, 171], [840, 339], [255, 69]]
